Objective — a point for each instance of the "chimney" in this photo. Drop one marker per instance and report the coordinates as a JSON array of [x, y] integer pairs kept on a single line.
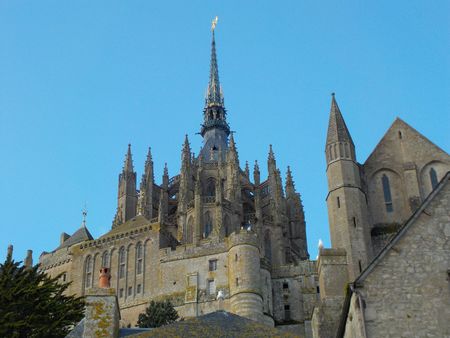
[[105, 277], [102, 313], [28, 261]]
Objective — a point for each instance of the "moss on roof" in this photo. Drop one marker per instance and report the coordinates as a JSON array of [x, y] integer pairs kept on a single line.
[[216, 324]]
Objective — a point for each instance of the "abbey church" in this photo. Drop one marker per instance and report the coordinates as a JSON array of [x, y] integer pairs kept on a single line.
[[219, 229]]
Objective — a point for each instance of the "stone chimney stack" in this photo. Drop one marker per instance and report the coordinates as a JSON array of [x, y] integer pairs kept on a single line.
[[102, 313], [28, 261], [105, 277]]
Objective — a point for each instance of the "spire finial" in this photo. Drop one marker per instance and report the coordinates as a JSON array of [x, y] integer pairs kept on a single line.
[[84, 213], [214, 23]]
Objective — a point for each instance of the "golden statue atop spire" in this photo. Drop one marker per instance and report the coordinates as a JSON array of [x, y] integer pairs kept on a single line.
[[214, 23]]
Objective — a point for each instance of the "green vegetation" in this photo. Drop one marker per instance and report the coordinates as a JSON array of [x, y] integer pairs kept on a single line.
[[33, 304], [158, 314]]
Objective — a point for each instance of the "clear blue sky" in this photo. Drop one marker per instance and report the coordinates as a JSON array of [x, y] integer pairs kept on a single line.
[[79, 80]]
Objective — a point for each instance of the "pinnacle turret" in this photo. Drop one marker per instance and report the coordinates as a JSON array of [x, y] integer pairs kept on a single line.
[[128, 165], [337, 129]]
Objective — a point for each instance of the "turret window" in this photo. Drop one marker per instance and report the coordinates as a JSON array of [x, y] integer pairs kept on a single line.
[[433, 178], [387, 193], [122, 262], [139, 260]]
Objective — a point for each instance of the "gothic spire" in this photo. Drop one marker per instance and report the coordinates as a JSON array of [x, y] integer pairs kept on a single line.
[[215, 128], [337, 129], [214, 92], [128, 165]]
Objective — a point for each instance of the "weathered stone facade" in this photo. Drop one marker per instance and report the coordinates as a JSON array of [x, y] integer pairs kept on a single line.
[[211, 228], [215, 228], [409, 284], [367, 205]]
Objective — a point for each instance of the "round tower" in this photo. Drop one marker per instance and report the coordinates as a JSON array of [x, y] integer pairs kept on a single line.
[[244, 276]]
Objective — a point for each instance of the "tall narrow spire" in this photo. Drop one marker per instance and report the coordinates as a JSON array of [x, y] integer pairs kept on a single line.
[[128, 165], [214, 92], [337, 129], [215, 129]]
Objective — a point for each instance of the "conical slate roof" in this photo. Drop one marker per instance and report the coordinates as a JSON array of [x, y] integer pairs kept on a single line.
[[337, 129]]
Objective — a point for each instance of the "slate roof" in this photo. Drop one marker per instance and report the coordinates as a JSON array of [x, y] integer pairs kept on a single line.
[[337, 129], [81, 235], [132, 223], [216, 324]]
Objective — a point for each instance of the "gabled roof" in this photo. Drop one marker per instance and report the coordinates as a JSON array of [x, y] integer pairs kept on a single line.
[[393, 129], [216, 324], [81, 235]]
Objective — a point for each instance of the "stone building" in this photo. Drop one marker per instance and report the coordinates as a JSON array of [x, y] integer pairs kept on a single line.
[[215, 227], [370, 207]]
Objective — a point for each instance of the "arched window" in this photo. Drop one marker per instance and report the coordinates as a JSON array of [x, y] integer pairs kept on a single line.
[[433, 178], [210, 187], [267, 246], [88, 272], [105, 260], [139, 259], [208, 225], [122, 262], [387, 193], [227, 225]]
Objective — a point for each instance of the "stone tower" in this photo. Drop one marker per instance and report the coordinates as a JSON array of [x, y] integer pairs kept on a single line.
[[346, 200], [127, 195]]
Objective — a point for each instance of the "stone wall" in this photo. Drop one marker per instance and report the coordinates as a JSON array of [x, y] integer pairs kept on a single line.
[[407, 293]]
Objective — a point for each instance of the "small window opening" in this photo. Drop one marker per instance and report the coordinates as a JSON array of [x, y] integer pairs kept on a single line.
[[237, 281], [360, 267], [211, 287], [130, 291], [138, 288], [285, 285], [64, 277], [121, 293], [399, 134], [338, 202], [236, 257], [213, 265], [317, 289], [287, 312], [354, 222]]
